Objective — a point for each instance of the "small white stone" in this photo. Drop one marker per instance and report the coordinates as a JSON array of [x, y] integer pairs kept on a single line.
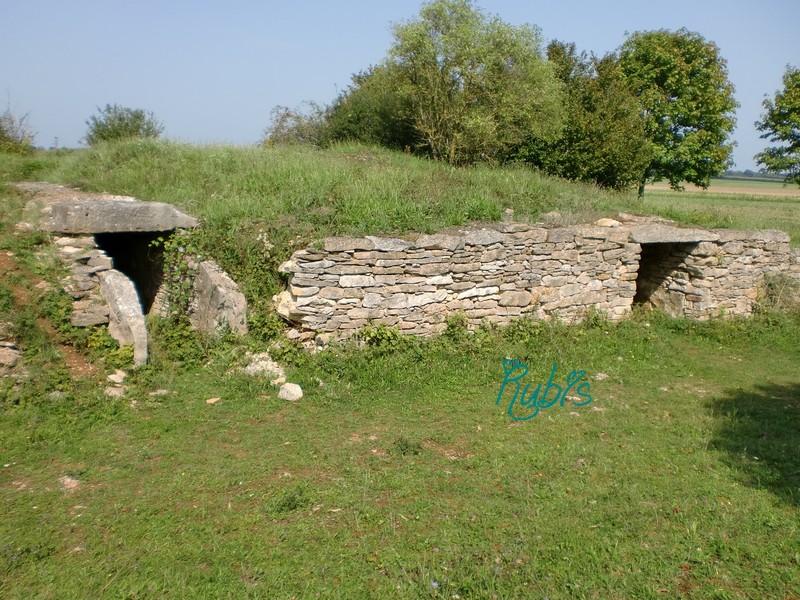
[[291, 392], [118, 377]]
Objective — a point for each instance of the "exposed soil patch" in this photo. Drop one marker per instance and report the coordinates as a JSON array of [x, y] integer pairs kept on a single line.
[[449, 453]]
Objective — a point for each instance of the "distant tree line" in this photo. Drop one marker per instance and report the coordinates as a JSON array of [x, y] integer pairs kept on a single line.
[[461, 86]]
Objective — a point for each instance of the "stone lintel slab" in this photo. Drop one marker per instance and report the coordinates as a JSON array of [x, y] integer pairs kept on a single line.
[[656, 233], [113, 216], [733, 235]]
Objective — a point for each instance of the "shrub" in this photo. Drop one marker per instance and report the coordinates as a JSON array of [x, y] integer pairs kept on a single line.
[[118, 122], [16, 135], [296, 126], [779, 292]]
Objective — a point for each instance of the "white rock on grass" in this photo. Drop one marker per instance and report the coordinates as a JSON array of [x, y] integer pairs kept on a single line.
[[118, 377], [291, 392], [262, 364]]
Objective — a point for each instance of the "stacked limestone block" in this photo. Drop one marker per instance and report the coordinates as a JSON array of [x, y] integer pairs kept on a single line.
[[85, 261], [726, 277], [497, 274]]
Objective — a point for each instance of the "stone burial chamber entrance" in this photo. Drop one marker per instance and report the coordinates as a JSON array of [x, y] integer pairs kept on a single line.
[[677, 269], [663, 277], [134, 254], [116, 271]]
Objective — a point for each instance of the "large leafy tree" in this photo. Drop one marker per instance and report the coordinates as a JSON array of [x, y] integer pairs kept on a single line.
[[781, 124], [604, 140], [116, 122], [687, 102], [476, 87]]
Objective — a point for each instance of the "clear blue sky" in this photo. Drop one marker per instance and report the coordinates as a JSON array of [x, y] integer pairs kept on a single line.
[[212, 71]]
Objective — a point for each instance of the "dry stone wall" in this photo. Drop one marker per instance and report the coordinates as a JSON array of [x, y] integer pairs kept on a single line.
[[495, 274], [511, 270], [84, 262]]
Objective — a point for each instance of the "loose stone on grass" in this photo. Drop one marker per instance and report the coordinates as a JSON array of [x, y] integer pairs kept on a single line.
[[291, 392]]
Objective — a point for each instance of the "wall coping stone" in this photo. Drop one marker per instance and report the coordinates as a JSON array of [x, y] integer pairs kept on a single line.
[[657, 233], [763, 235]]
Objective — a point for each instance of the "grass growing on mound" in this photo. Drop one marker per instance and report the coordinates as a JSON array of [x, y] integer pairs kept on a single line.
[[259, 205], [345, 190]]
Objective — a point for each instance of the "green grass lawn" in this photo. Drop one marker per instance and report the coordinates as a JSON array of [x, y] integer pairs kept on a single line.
[[397, 475]]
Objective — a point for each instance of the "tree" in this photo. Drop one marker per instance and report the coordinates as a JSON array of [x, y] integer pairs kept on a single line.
[[781, 124], [687, 101], [118, 122], [374, 111], [16, 134], [477, 87], [604, 139]]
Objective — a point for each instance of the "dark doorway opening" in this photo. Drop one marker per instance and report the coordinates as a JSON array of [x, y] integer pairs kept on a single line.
[[662, 268], [133, 254]]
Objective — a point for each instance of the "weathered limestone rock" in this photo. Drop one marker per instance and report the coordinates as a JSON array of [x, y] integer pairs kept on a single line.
[[218, 301], [440, 241], [356, 281], [262, 364], [291, 392], [521, 298], [344, 244], [483, 237], [112, 216], [9, 357], [286, 306], [126, 319], [656, 233], [389, 244]]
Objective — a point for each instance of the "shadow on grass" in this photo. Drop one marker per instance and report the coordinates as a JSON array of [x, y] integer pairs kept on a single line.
[[759, 430]]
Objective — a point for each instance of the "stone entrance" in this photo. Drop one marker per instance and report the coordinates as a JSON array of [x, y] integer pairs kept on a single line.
[[106, 243], [134, 255], [664, 276]]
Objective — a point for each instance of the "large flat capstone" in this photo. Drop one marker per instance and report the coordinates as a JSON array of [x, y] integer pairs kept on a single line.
[[90, 216], [656, 233]]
